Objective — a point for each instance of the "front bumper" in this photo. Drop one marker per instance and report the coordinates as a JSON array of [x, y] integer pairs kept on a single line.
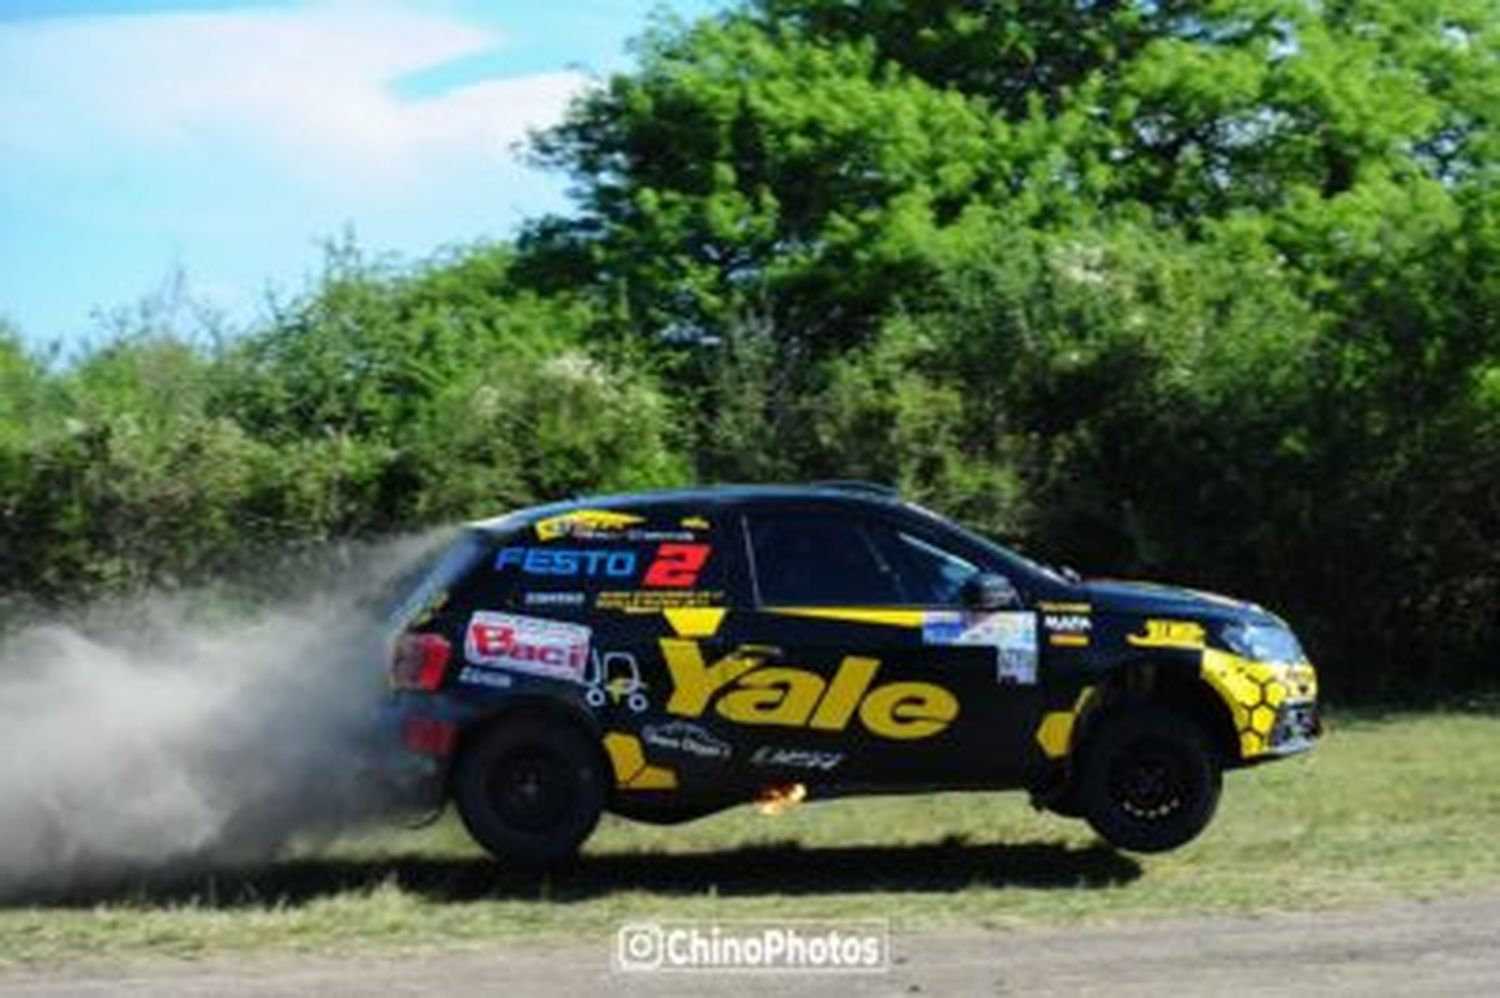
[[1297, 728], [1274, 705]]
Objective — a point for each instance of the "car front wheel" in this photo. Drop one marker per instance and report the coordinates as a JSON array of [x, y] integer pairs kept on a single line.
[[1150, 780]]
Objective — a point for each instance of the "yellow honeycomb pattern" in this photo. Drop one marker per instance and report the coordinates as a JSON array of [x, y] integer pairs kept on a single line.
[[1253, 691]]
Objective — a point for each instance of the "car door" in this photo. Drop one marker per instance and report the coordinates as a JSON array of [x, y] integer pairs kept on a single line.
[[998, 651], [870, 671]]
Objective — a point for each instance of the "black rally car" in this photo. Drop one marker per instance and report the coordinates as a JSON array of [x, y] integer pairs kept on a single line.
[[665, 655]]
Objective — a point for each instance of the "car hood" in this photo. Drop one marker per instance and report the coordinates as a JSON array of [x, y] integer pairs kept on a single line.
[[1149, 599]]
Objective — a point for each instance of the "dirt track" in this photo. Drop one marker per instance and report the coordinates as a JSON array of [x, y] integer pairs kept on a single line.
[[1449, 947]]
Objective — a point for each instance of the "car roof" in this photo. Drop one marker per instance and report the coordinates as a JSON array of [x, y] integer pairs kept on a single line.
[[845, 492]]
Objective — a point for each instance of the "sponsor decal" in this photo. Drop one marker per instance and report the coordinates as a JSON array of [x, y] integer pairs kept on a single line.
[[1052, 607], [615, 677], [1011, 633], [547, 648], [568, 562], [1168, 634], [1068, 640], [742, 687], [660, 535], [484, 677], [673, 566], [676, 566], [596, 525], [659, 599], [584, 522], [554, 599], [689, 739], [768, 755], [1068, 630]]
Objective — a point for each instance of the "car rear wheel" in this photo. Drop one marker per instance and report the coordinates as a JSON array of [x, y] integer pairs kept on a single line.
[[1150, 780], [530, 791]]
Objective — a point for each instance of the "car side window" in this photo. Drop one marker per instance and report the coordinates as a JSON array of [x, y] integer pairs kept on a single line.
[[819, 559], [929, 574]]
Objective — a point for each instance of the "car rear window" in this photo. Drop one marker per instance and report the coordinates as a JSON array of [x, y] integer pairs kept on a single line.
[[438, 576]]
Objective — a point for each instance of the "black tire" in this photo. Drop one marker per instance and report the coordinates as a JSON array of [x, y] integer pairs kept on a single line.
[[1065, 802], [530, 791], [1150, 779]]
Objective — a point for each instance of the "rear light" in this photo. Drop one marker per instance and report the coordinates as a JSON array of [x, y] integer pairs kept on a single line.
[[428, 736], [420, 661]]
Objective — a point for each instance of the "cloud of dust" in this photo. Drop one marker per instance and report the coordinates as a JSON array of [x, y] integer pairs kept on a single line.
[[191, 728]]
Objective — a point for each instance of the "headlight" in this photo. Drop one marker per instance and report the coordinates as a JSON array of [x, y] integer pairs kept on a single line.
[[1262, 642]]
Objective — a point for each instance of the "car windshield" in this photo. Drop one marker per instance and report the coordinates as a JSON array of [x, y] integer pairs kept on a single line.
[[1061, 573], [1001, 549]]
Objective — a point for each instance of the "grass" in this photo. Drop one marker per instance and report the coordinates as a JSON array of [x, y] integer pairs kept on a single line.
[[1387, 807]]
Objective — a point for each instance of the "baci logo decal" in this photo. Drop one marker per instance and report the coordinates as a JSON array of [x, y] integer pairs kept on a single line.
[[529, 645]]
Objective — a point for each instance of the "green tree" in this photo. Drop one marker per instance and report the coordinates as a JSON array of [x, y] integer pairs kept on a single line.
[[1104, 275], [746, 171], [458, 393]]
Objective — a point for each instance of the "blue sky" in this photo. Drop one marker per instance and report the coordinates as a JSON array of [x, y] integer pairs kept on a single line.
[[223, 139]]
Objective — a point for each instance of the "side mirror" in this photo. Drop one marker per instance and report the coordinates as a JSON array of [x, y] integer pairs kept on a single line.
[[988, 591]]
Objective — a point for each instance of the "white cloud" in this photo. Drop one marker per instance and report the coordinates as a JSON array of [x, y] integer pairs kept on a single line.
[[225, 144], [307, 89]]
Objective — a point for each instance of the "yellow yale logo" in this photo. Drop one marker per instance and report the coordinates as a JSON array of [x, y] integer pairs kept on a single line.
[[751, 692]]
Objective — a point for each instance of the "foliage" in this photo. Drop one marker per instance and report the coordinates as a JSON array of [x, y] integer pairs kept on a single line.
[[384, 400], [1196, 290], [1201, 290]]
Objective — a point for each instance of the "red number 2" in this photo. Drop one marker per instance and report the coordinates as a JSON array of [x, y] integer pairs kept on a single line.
[[677, 565]]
